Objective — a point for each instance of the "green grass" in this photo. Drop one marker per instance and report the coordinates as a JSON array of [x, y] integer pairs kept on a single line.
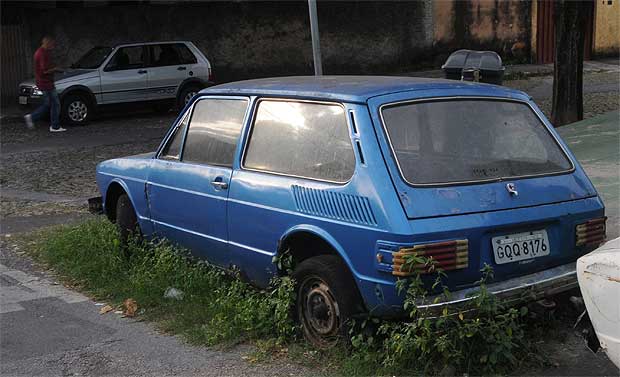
[[218, 308]]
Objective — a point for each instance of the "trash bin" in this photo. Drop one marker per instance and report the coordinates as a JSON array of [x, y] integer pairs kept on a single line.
[[469, 65]]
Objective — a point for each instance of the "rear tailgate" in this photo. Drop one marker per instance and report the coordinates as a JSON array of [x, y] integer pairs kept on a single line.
[[482, 230], [475, 182]]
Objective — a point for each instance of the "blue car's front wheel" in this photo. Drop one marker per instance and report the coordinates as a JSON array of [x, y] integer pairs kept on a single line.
[[126, 221]]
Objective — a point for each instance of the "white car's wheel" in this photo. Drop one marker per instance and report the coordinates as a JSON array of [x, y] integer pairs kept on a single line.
[[76, 109]]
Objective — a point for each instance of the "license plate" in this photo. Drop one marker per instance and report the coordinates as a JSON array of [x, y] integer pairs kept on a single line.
[[520, 246], [23, 100]]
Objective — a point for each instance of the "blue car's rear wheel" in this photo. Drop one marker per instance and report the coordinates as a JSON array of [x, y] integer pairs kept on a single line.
[[326, 299]]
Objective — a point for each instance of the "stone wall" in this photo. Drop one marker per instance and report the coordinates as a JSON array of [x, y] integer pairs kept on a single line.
[[501, 26], [250, 39], [260, 39]]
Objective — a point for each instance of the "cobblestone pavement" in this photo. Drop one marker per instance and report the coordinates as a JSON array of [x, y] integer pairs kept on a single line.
[[601, 92], [64, 164]]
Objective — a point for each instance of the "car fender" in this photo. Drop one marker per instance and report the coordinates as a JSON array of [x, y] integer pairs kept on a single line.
[[325, 236], [192, 80], [125, 188], [81, 89], [143, 218]]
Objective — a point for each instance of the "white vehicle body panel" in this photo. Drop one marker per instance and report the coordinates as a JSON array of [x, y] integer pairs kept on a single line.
[[599, 280], [123, 86]]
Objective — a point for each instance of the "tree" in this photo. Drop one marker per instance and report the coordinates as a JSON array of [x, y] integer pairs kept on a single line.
[[570, 28]]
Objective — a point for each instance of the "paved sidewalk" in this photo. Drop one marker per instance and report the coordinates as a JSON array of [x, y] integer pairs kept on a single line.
[[595, 142], [49, 330]]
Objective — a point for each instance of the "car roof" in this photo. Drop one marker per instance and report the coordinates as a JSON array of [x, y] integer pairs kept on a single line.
[[148, 43], [349, 88]]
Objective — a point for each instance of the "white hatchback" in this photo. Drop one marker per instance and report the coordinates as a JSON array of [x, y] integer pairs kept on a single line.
[[157, 72]]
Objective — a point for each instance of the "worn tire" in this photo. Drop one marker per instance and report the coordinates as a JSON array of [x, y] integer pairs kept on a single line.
[[186, 94], [326, 298], [76, 109], [126, 220]]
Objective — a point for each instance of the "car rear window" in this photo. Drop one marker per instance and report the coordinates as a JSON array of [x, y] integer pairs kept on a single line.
[[450, 141]]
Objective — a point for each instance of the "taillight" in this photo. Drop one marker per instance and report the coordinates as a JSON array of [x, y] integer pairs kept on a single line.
[[448, 255], [591, 233], [211, 78]]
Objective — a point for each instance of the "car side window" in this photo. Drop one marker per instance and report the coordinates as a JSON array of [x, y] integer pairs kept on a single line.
[[172, 150], [302, 139], [127, 58], [171, 54], [213, 131]]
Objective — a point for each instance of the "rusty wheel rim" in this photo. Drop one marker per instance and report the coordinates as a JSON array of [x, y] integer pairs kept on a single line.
[[318, 312]]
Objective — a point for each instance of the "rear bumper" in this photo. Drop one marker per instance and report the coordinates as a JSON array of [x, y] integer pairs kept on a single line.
[[525, 288]]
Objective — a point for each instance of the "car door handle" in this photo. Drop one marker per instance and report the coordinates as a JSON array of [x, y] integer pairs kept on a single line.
[[142, 71], [220, 185], [181, 68]]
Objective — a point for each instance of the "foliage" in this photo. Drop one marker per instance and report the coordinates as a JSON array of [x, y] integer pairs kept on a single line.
[[218, 307], [483, 337]]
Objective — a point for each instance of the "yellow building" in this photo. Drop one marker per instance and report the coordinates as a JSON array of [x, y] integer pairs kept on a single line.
[[606, 27]]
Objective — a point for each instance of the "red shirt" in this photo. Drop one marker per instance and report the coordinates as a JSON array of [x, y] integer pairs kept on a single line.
[[42, 63]]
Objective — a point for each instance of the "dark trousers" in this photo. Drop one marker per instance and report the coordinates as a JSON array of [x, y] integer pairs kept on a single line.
[[51, 103]]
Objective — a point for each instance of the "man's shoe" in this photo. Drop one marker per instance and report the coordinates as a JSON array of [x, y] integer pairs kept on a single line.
[[59, 129], [28, 120]]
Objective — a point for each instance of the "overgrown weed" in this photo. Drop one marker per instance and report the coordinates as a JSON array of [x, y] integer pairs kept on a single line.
[[218, 308]]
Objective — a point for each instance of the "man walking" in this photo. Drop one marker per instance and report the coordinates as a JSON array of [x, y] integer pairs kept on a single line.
[[44, 70]]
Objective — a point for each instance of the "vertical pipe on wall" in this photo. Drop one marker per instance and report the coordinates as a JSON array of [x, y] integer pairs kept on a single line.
[[316, 44]]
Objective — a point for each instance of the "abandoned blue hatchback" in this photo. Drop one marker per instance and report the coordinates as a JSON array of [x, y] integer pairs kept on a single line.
[[350, 175]]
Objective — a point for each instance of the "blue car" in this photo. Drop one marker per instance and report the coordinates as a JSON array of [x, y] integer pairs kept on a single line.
[[350, 175]]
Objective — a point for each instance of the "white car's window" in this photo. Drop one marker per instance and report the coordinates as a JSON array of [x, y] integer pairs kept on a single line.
[[127, 58], [167, 54], [470, 140], [301, 139], [213, 131]]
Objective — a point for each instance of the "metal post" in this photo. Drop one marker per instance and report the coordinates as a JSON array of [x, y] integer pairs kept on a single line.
[[316, 43]]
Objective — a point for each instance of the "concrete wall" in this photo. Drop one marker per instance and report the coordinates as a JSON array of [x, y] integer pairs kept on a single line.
[[607, 28], [249, 39], [501, 26]]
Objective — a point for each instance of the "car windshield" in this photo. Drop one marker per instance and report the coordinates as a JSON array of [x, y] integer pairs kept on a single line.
[[449, 141], [93, 58]]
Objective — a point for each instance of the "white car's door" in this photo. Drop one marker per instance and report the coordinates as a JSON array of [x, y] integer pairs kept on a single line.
[[170, 64], [124, 78]]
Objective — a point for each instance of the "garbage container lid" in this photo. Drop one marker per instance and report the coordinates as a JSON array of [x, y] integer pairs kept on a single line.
[[482, 60]]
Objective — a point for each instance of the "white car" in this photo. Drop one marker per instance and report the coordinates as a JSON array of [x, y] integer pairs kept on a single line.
[[158, 72], [599, 279]]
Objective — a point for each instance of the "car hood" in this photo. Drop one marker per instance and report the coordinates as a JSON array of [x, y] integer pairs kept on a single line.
[[74, 74], [66, 76]]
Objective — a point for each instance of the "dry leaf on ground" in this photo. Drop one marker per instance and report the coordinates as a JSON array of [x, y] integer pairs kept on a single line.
[[130, 307], [105, 309]]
